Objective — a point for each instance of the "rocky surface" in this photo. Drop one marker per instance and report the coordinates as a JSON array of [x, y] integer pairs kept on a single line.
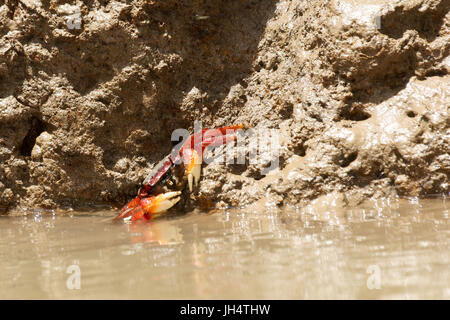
[[356, 92]]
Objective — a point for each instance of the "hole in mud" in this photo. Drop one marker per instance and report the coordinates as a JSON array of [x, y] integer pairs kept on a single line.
[[37, 127], [258, 176], [411, 114], [316, 117], [347, 159], [286, 109], [238, 169], [243, 83], [299, 149], [356, 114], [436, 73]]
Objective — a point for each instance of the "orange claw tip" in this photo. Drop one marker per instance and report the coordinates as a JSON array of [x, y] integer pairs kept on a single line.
[[160, 203]]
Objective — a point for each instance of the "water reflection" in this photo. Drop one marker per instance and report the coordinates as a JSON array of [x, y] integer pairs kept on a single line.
[[162, 232], [311, 251]]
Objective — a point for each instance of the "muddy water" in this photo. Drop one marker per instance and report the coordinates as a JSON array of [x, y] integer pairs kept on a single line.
[[385, 249]]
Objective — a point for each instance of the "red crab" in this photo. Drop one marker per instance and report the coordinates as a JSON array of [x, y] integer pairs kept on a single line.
[[163, 187]]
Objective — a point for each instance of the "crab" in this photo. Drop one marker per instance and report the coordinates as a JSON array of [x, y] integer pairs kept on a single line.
[[175, 174]]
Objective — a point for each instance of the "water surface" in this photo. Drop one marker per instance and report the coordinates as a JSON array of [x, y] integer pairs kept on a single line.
[[385, 250]]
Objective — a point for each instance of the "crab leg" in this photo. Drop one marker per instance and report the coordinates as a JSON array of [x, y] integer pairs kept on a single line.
[[206, 137], [219, 136], [216, 141]]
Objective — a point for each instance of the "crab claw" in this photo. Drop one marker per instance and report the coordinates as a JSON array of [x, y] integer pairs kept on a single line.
[[192, 151], [193, 167], [160, 203], [148, 207]]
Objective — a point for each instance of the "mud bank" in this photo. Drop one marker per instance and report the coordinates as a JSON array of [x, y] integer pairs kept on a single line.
[[91, 91]]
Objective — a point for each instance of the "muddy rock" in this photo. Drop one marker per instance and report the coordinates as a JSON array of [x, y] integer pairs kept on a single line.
[[355, 93]]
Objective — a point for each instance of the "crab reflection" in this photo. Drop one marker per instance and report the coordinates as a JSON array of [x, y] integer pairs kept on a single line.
[[159, 232]]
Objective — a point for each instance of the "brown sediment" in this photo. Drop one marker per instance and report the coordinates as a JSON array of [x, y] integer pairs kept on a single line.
[[360, 111]]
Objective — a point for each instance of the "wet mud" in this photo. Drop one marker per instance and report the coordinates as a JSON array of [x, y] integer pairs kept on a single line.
[[90, 92]]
